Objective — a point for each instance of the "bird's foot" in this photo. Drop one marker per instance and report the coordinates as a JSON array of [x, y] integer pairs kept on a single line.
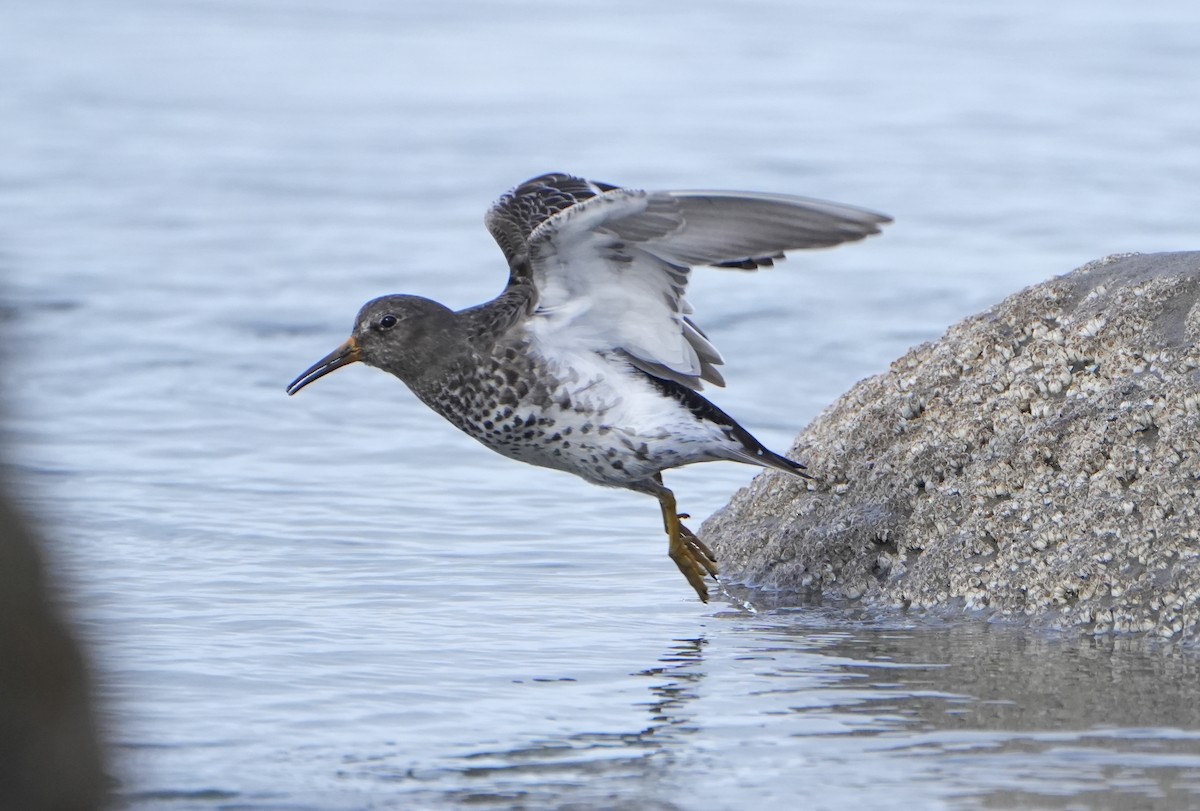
[[693, 557]]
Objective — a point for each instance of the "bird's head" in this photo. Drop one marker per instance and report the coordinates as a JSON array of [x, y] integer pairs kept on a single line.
[[406, 335]]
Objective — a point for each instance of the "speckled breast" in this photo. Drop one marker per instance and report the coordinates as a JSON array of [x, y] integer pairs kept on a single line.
[[519, 409]]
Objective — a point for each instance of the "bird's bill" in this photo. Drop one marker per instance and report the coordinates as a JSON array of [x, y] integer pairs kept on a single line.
[[344, 355]]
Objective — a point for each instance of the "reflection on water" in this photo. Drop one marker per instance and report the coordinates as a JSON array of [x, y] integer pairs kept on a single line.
[[585, 769], [892, 712], [670, 697]]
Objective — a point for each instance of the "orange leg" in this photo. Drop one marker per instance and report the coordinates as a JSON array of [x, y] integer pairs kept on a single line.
[[690, 554]]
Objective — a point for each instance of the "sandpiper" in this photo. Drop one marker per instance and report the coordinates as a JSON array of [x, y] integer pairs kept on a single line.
[[589, 361]]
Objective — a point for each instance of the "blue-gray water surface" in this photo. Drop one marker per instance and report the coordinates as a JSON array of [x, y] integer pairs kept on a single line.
[[334, 601]]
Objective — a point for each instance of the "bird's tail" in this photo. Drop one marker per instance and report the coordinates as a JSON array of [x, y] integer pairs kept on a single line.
[[747, 449], [758, 454]]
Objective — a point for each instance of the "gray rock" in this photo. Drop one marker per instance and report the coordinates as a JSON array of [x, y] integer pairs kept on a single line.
[[1040, 460]]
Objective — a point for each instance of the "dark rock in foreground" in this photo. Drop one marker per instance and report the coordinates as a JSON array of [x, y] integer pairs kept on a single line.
[[1040, 460], [50, 758]]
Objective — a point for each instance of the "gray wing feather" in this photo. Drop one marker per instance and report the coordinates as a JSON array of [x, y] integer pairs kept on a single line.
[[714, 227]]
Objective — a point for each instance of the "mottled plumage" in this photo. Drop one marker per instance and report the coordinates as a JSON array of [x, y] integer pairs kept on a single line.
[[589, 362]]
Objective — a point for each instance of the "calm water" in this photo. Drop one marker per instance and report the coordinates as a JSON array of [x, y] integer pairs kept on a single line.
[[333, 601]]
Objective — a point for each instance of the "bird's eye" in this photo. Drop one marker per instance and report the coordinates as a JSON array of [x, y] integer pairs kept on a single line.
[[388, 321]]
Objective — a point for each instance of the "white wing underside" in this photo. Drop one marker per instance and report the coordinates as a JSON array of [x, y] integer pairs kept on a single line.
[[612, 271]]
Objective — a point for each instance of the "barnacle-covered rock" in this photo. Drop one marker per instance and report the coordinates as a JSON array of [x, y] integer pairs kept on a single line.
[[1040, 460]]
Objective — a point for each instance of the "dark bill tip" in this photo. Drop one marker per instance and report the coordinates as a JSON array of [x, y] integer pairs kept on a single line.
[[344, 355]]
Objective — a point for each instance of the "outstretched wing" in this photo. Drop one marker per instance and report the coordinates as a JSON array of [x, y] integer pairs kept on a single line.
[[610, 266]]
